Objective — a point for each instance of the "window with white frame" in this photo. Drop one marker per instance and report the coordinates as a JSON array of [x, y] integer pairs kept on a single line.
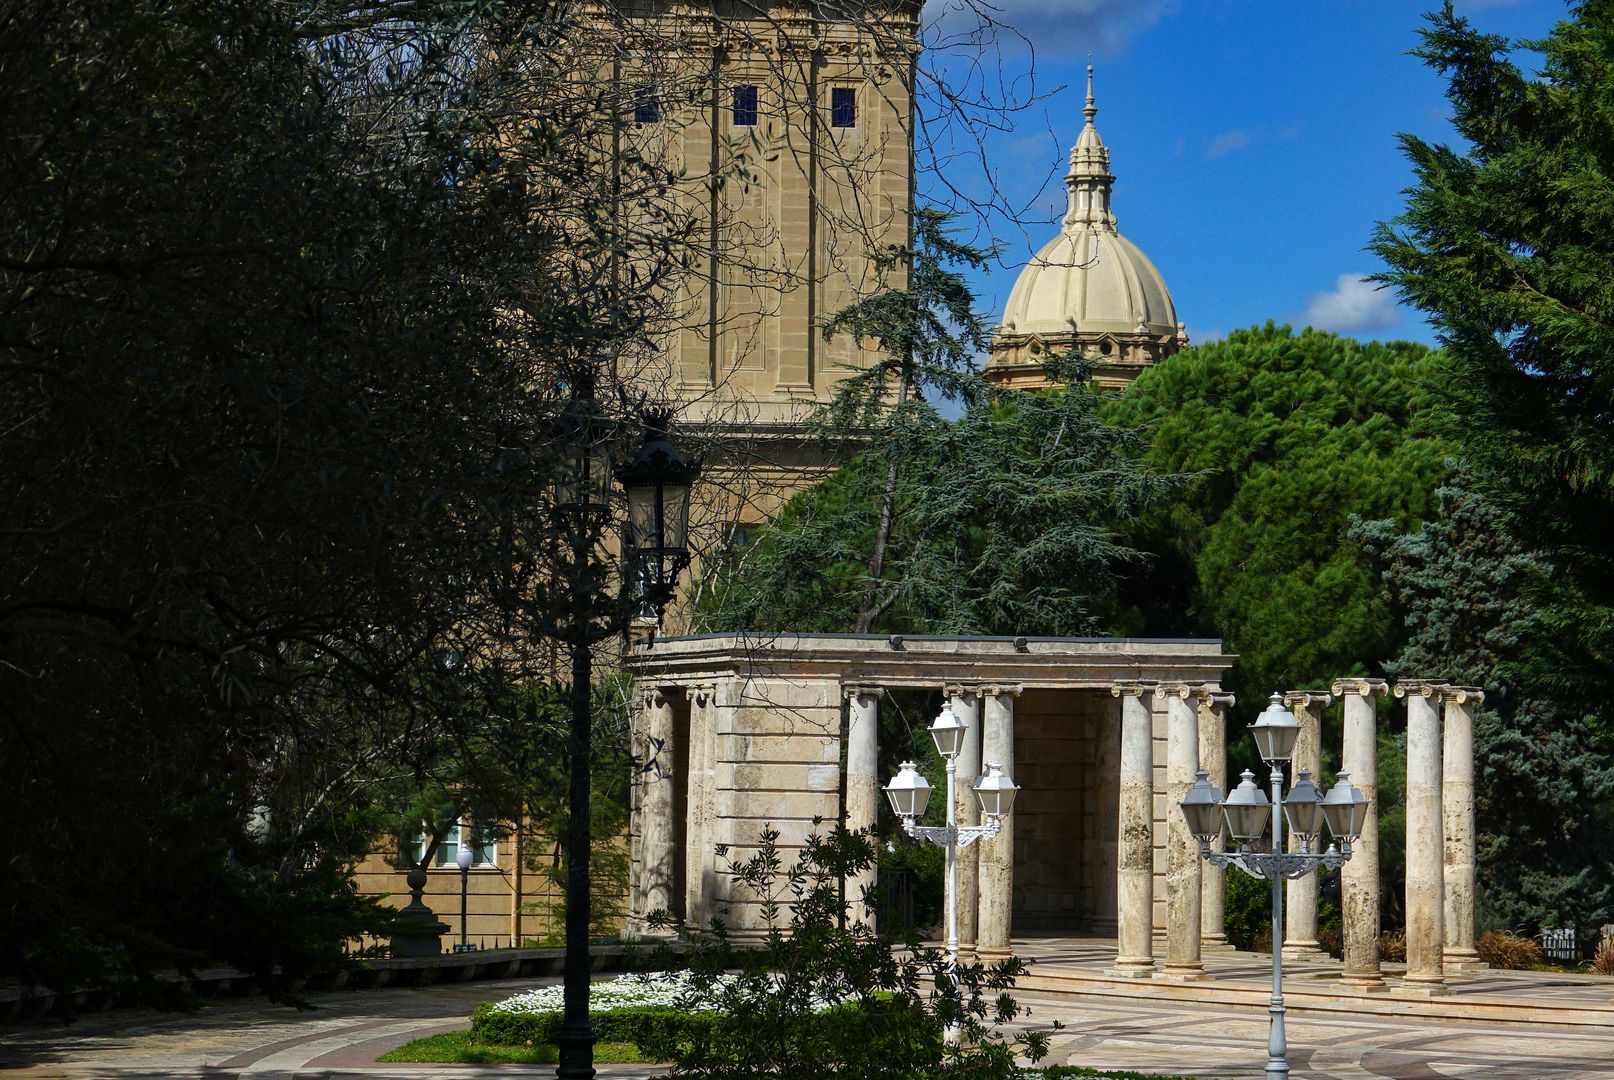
[[484, 845]]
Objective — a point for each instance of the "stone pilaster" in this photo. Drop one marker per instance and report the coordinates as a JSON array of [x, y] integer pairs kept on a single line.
[[996, 858], [1213, 704], [862, 785], [1359, 878], [698, 816], [1135, 835], [1183, 924], [657, 827], [1425, 858], [966, 705], [1300, 900], [1457, 819]]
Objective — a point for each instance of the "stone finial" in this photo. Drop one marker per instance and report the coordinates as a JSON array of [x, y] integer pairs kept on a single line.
[[1360, 687], [1132, 687], [1461, 695]]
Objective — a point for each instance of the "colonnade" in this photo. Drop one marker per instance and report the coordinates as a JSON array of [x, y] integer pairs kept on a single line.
[[1151, 778]]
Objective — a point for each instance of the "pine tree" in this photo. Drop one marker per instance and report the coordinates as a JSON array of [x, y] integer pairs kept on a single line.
[[1545, 777]]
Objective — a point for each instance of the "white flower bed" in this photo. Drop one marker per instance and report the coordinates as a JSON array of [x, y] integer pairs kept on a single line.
[[624, 991]]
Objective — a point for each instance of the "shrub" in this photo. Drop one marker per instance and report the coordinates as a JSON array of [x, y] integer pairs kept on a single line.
[[1248, 912], [1508, 950], [1393, 946], [639, 1024], [1603, 959], [887, 1008]]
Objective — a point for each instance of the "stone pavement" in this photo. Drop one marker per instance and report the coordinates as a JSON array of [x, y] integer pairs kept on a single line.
[[1154, 1029]]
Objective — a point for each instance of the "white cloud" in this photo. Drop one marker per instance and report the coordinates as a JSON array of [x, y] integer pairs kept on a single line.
[[1054, 26], [1226, 143], [1354, 306]]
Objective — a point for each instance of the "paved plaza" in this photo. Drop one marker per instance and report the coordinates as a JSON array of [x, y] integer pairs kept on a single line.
[[1497, 1026]]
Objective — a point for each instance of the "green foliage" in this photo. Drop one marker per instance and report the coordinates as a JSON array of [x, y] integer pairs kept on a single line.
[[1002, 523], [888, 1007], [1287, 435], [281, 344], [640, 1025], [1247, 911], [1507, 242], [1544, 773], [464, 1048]]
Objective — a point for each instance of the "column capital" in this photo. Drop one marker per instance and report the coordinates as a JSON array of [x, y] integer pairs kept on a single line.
[[1213, 696], [1424, 688], [1460, 695], [955, 689], [656, 697], [1307, 698], [1132, 687], [1172, 690], [852, 690], [699, 693], [997, 689], [1359, 687]]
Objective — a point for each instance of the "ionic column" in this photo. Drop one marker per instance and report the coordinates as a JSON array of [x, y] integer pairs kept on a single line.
[[657, 828], [698, 846], [1183, 961], [1457, 820], [966, 705], [996, 858], [1134, 861], [862, 785], [1359, 878], [1300, 900], [1213, 704], [1425, 858]]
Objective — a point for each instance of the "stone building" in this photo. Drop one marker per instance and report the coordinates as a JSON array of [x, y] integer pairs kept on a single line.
[[1101, 735], [1089, 289]]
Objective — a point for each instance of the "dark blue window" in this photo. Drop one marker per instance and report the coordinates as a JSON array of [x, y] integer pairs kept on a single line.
[[646, 106], [745, 106], [843, 107]]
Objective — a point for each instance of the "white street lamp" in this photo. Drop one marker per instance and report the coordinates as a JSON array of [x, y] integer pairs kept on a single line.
[[463, 858], [1248, 811], [909, 793]]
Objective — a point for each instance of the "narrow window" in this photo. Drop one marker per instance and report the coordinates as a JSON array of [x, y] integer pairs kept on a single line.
[[646, 106], [843, 107], [745, 106]]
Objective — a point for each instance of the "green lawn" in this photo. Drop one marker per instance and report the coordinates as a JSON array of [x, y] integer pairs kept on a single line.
[[459, 1047]]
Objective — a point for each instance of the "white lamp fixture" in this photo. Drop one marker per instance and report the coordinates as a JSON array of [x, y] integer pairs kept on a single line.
[[1276, 730], [948, 733], [1303, 807], [908, 791], [1345, 808], [1246, 810], [995, 791], [1200, 805]]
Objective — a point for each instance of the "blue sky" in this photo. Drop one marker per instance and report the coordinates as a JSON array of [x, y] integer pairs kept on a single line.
[[1253, 143]]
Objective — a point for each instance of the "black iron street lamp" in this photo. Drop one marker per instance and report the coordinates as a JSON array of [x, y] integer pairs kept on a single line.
[[655, 551]]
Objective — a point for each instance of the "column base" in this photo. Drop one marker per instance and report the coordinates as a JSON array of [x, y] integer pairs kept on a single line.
[[1421, 989], [991, 954], [1465, 961], [1183, 973], [1305, 953], [1132, 967], [1364, 983]]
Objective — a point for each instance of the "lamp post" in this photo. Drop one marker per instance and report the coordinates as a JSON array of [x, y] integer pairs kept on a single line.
[[657, 483], [909, 793], [463, 859], [1247, 810]]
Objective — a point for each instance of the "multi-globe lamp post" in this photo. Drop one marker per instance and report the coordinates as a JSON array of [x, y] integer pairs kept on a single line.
[[1247, 812], [909, 793]]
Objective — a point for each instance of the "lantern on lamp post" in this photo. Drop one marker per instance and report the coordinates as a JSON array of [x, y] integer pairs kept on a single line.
[[1247, 813]]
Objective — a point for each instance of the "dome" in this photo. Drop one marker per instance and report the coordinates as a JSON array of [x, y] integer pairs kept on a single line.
[[1093, 281], [1089, 288]]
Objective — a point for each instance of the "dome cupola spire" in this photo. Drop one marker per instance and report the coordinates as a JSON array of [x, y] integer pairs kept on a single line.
[[1089, 181]]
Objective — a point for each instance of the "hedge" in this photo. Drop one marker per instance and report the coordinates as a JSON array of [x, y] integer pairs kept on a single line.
[[628, 1025]]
